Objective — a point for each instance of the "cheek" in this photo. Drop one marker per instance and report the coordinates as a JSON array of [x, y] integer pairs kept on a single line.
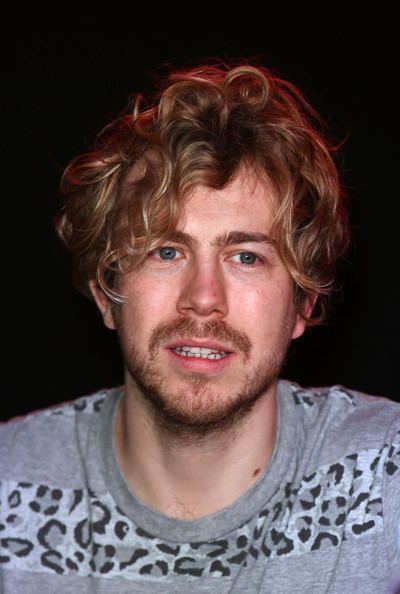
[[266, 312], [146, 307], [269, 299]]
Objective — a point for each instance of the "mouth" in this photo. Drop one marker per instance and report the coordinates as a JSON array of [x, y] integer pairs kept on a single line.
[[200, 355], [200, 352]]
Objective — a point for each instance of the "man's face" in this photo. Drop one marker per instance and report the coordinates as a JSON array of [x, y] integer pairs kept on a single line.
[[209, 316]]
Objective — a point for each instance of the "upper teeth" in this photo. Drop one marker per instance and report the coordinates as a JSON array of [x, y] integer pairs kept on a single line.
[[200, 352]]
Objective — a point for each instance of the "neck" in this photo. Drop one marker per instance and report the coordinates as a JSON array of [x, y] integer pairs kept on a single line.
[[190, 477]]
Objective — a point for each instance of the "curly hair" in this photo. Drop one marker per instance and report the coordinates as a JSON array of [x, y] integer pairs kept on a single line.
[[198, 129]]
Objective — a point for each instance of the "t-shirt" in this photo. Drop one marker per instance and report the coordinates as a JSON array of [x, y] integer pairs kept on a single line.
[[324, 516]]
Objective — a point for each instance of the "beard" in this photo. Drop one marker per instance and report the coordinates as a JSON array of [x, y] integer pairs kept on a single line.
[[199, 408]]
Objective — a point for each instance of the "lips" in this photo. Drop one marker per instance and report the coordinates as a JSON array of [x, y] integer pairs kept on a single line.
[[184, 335], [199, 348], [200, 352]]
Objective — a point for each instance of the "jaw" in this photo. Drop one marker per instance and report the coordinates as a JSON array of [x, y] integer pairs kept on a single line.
[[199, 409]]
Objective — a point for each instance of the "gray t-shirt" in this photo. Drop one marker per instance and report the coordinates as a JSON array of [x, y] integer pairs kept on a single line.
[[323, 517]]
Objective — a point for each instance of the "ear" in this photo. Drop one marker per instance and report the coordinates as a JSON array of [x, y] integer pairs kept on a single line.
[[305, 310], [103, 303]]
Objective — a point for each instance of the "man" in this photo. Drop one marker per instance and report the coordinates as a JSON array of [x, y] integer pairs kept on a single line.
[[206, 227]]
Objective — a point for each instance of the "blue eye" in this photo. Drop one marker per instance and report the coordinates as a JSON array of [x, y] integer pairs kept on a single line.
[[247, 258], [167, 253]]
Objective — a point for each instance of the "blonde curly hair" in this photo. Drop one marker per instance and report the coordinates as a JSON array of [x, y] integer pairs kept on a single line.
[[202, 125]]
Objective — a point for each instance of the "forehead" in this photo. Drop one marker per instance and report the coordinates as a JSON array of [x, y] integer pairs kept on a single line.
[[247, 202]]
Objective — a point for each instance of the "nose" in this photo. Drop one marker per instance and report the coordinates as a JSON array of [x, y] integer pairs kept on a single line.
[[203, 292]]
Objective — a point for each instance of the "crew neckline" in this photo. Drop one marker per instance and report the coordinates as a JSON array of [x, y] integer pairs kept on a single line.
[[217, 524]]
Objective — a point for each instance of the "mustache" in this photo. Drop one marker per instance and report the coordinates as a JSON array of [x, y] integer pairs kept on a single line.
[[184, 328]]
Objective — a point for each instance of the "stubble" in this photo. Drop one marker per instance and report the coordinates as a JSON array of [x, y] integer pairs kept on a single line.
[[198, 408]]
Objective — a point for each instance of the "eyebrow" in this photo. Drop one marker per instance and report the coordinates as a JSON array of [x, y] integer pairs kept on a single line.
[[235, 237], [226, 239]]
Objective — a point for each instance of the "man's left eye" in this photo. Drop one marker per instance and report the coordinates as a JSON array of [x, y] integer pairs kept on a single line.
[[246, 258]]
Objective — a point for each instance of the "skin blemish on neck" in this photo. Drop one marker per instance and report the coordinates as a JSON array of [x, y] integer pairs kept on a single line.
[[256, 472]]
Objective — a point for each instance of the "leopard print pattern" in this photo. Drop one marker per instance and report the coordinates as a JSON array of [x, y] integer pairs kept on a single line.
[[79, 532]]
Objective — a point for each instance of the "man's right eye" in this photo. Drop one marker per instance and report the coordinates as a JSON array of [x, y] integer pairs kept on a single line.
[[166, 253]]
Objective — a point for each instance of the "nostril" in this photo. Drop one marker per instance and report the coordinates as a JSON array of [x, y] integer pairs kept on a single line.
[[204, 291]]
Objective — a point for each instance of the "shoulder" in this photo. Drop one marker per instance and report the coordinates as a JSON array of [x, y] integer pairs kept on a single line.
[[335, 425], [343, 429], [39, 443], [349, 419], [349, 445]]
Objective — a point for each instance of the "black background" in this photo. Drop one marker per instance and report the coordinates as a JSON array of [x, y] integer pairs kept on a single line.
[[64, 77]]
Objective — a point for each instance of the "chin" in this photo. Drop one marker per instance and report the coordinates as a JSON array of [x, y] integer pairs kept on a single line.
[[200, 408]]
